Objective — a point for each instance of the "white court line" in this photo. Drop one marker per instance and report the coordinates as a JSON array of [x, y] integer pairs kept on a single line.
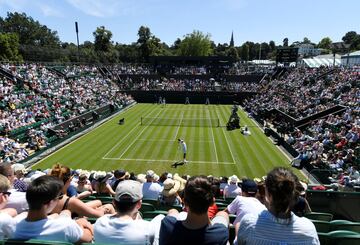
[[212, 132], [163, 140], [138, 136], [177, 130], [166, 160], [227, 142], [117, 144]]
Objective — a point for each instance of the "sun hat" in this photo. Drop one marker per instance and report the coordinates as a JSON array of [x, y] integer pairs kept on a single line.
[[233, 179], [19, 167], [171, 187], [128, 191], [150, 174]]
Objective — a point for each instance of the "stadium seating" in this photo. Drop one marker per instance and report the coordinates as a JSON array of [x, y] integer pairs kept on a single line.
[[319, 216]]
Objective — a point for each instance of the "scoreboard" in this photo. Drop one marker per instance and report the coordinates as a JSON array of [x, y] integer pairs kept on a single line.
[[286, 55]]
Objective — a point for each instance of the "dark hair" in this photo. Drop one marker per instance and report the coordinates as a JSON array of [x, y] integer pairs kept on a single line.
[[281, 185], [198, 195], [42, 190], [123, 207]]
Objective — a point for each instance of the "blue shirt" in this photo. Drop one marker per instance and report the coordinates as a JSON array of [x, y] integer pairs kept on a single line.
[[172, 231]]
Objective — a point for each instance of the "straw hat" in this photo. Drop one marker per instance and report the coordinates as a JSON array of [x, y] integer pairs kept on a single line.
[[171, 187]]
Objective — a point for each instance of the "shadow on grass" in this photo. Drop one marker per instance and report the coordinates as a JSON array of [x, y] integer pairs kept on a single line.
[[176, 164]]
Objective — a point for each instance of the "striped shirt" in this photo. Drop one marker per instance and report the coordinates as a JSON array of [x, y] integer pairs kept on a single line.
[[267, 229]]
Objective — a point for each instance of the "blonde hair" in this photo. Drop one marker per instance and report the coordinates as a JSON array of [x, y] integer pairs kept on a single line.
[[60, 171], [4, 183]]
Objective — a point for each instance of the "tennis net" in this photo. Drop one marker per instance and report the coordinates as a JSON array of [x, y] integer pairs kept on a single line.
[[184, 122]]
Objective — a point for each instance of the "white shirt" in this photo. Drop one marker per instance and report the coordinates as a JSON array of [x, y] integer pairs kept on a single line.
[[151, 190], [183, 146], [17, 200], [7, 226], [110, 229], [245, 205], [232, 190], [59, 229]]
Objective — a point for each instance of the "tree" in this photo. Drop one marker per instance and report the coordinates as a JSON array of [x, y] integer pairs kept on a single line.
[[353, 39], [29, 31], [349, 37], [233, 53], [196, 44], [306, 40], [325, 43], [286, 42], [9, 47], [149, 44], [245, 52], [102, 39], [272, 45]]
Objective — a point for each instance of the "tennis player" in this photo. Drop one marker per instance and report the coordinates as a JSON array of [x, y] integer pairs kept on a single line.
[[183, 148]]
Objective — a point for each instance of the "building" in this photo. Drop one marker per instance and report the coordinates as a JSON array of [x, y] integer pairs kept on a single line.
[[308, 50], [351, 59]]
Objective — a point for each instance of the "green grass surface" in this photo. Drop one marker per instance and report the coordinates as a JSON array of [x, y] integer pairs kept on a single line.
[[137, 148]]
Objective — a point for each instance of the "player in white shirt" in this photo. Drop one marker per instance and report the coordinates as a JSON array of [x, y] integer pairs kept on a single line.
[[183, 148]]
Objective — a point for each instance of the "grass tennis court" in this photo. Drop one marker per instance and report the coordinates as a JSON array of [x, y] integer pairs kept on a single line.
[[138, 147]]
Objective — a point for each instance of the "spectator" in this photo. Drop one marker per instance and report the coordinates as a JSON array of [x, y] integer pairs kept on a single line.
[[17, 199], [77, 207], [278, 224], [7, 223], [42, 196], [197, 227], [247, 203], [19, 171], [232, 190], [127, 226], [101, 186], [151, 189]]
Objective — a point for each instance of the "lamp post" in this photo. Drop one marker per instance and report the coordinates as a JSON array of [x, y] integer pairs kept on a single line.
[[77, 37]]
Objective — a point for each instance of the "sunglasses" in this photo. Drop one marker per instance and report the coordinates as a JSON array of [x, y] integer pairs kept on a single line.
[[59, 197], [6, 193]]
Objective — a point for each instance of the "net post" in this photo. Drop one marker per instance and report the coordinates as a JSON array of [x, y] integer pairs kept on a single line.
[[218, 121]]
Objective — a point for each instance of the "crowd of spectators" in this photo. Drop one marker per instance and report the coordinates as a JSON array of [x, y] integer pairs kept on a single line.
[[54, 204], [193, 84], [330, 142], [305, 91], [45, 98]]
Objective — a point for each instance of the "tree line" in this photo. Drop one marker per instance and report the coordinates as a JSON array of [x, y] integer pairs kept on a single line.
[[24, 39]]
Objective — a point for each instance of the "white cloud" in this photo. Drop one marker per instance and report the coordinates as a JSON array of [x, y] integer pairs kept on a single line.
[[50, 11], [97, 8]]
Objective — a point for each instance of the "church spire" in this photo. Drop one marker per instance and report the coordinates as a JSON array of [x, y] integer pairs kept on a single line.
[[232, 39]]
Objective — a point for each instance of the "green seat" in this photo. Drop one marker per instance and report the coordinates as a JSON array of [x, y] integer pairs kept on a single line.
[[92, 220], [321, 226], [229, 199], [319, 216], [343, 237], [36, 241], [232, 218], [221, 206], [324, 238], [149, 215], [154, 202], [147, 207], [348, 226]]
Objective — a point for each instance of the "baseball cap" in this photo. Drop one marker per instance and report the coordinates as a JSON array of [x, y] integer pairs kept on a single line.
[[128, 191], [249, 186]]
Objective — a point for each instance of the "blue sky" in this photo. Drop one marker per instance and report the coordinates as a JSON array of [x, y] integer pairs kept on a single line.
[[254, 20]]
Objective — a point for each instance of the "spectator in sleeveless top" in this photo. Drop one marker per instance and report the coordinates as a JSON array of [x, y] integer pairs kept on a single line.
[[77, 207]]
